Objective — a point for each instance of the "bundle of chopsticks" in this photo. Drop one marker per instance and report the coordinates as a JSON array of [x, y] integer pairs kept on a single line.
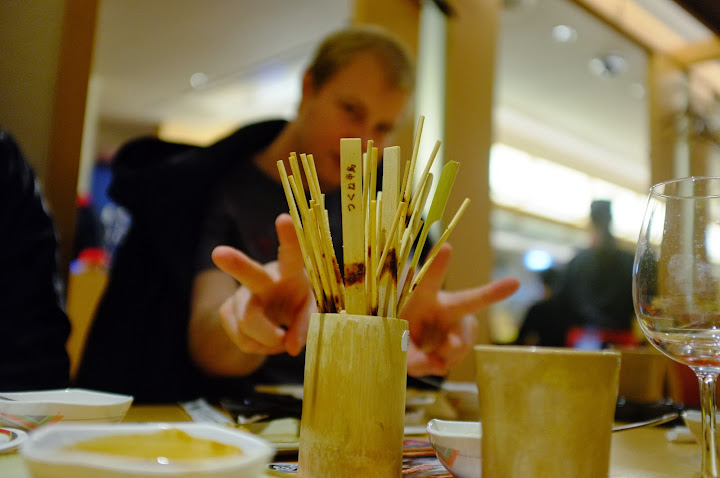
[[380, 228]]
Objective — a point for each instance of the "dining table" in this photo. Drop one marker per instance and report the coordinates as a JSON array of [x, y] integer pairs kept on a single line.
[[637, 453]]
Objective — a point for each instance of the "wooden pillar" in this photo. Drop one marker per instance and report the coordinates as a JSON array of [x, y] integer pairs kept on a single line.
[[700, 153], [471, 52], [667, 99], [76, 47], [402, 18], [30, 39]]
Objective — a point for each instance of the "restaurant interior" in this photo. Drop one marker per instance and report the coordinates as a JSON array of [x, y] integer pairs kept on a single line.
[[547, 105], [588, 99]]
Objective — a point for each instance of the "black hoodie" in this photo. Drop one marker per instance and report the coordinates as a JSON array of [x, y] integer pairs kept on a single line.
[[33, 323], [138, 341]]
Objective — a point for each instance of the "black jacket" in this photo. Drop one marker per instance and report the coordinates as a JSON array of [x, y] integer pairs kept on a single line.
[[138, 341], [33, 323]]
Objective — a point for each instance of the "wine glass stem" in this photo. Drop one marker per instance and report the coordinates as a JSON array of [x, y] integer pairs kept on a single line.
[[710, 465]]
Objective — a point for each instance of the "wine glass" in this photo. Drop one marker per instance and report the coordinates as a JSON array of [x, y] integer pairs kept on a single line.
[[676, 287]]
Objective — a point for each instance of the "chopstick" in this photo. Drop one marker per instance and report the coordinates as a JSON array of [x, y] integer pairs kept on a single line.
[[390, 217], [353, 225], [433, 252], [379, 229], [309, 266], [437, 207]]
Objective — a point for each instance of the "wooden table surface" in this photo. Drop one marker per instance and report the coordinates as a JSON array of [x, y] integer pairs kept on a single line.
[[640, 453], [647, 453]]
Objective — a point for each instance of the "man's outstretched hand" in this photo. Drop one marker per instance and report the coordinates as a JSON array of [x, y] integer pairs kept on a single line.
[[442, 327], [269, 313]]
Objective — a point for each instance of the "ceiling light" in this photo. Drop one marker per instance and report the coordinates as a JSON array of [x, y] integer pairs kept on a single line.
[[198, 80], [637, 91], [609, 65], [564, 34]]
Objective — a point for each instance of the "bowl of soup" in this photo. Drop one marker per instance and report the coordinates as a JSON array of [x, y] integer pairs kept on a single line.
[[145, 450]]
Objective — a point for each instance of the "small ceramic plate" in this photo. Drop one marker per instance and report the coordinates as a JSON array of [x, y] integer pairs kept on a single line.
[[29, 410], [10, 439]]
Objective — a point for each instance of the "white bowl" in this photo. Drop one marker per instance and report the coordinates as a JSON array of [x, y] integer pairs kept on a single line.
[[457, 446], [10, 439], [29, 410], [46, 457]]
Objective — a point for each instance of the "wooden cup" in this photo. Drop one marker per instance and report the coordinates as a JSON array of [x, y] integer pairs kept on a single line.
[[546, 412], [353, 397], [643, 372]]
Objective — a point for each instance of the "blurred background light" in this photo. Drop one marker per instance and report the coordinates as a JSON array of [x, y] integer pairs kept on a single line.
[[537, 260], [564, 34]]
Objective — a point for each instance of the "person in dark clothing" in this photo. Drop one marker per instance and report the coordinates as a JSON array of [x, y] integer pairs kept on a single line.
[[357, 86], [33, 320], [137, 343], [171, 325], [544, 323], [596, 291]]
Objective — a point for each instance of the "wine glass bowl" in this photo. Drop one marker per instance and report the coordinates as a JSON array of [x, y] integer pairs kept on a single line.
[[676, 286]]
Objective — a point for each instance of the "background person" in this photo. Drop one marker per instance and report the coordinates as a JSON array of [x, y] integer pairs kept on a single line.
[[596, 290], [35, 327], [544, 323]]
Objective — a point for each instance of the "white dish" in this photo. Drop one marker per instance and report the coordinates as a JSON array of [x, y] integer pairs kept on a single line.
[[46, 457], [29, 410], [283, 433], [294, 390], [11, 438], [457, 446], [411, 430]]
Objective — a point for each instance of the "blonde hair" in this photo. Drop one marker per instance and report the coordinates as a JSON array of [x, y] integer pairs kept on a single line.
[[342, 46]]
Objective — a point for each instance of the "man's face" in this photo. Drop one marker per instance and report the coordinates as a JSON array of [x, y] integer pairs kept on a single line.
[[356, 102]]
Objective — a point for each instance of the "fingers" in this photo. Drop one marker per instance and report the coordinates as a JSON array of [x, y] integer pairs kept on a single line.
[[437, 363], [429, 337], [296, 336], [248, 272], [454, 349], [421, 364], [290, 257], [469, 301], [435, 275], [449, 347], [459, 341], [249, 329]]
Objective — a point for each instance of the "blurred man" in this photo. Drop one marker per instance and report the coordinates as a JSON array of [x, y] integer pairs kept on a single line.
[[596, 291], [195, 329]]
